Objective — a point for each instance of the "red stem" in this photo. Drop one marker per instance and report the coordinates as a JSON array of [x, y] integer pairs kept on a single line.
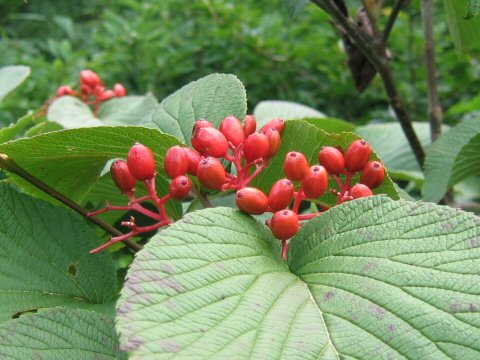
[[308, 216], [284, 250]]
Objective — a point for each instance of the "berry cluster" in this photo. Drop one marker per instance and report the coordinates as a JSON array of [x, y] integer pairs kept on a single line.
[[92, 90]]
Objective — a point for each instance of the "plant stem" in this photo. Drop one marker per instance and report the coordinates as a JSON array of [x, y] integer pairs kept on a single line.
[[201, 196], [9, 164], [391, 20], [434, 108]]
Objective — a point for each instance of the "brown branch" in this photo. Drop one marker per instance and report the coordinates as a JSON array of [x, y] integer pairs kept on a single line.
[[391, 20], [202, 197], [435, 114], [9, 164]]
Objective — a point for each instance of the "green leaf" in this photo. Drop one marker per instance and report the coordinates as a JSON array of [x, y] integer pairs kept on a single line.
[[454, 157], [60, 334], [71, 113], [331, 125], [128, 110], [295, 7], [71, 161], [307, 138], [12, 131], [45, 260], [11, 77], [287, 110], [371, 278], [213, 98], [42, 128], [464, 27]]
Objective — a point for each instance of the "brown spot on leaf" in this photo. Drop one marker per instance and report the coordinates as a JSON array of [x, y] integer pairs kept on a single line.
[[329, 295], [371, 265], [377, 311], [473, 243], [167, 269], [472, 307], [392, 327], [454, 307], [446, 226], [134, 342], [170, 346], [170, 283]]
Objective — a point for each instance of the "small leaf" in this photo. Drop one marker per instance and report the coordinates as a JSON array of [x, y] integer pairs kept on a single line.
[[128, 110], [287, 110], [60, 334], [454, 157], [71, 113], [213, 98], [332, 125], [12, 131], [11, 77]]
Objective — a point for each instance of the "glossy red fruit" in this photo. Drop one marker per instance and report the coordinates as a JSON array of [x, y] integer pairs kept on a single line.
[[106, 95], [122, 177], [89, 78], [249, 125], [315, 183], [119, 90], [281, 195], [256, 147], [175, 162], [373, 174], [360, 190], [232, 129], [199, 124], [194, 159], [141, 162], [211, 173], [295, 166], [331, 159], [211, 142], [274, 141], [251, 200], [357, 155], [275, 123], [284, 224], [180, 187], [64, 90]]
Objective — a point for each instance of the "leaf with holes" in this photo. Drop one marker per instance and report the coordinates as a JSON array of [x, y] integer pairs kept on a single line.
[[368, 279]]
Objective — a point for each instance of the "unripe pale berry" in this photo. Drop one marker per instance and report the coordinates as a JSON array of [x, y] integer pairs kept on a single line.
[[249, 125], [359, 191], [295, 166], [284, 224], [274, 141], [119, 90], [331, 159], [232, 129], [175, 162], [251, 200], [281, 194], [357, 155], [64, 90], [180, 187], [211, 142], [256, 147], [89, 78], [373, 174], [315, 183], [122, 177], [194, 159], [275, 123], [211, 173], [141, 162]]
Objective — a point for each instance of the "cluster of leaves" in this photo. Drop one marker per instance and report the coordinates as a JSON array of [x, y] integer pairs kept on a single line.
[[371, 278]]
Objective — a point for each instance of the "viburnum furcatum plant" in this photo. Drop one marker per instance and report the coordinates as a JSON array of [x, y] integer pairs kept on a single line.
[[250, 152]]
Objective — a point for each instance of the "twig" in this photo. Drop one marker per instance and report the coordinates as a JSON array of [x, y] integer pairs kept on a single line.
[[201, 196], [391, 20], [9, 164]]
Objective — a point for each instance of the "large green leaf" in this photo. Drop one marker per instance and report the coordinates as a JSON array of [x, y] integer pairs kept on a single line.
[[454, 157], [307, 138], [45, 260], [287, 110], [14, 130], [369, 279], [213, 98], [11, 77], [464, 25], [60, 334]]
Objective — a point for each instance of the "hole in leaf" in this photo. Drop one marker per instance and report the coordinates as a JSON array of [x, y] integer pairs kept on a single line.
[[20, 313], [72, 269]]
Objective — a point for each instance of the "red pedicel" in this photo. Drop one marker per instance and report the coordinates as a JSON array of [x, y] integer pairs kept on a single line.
[[275, 123], [141, 162], [175, 162], [331, 159], [295, 166], [256, 147], [281, 194], [359, 191], [232, 129], [251, 200], [122, 177], [211, 173], [284, 224], [119, 90], [315, 183], [249, 125], [180, 187], [357, 155], [373, 174]]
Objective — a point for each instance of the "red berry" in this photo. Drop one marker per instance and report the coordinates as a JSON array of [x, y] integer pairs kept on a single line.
[[119, 90], [357, 155], [249, 125], [199, 124], [194, 159], [89, 78], [232, 129], [295, 166], [274, 141], [64, 90], [256, 147], [281, 194], [180, 187], [175, 162], [251, 200], [315, 183], [331, 159], [275, 123], [211, 173], [141, 162], [284, 224], [360, 190], [373, 174], [106, 95], [211, 142], [122, 177]]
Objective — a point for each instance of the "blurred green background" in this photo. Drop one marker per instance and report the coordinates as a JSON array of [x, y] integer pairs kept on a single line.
[[159, 46]]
